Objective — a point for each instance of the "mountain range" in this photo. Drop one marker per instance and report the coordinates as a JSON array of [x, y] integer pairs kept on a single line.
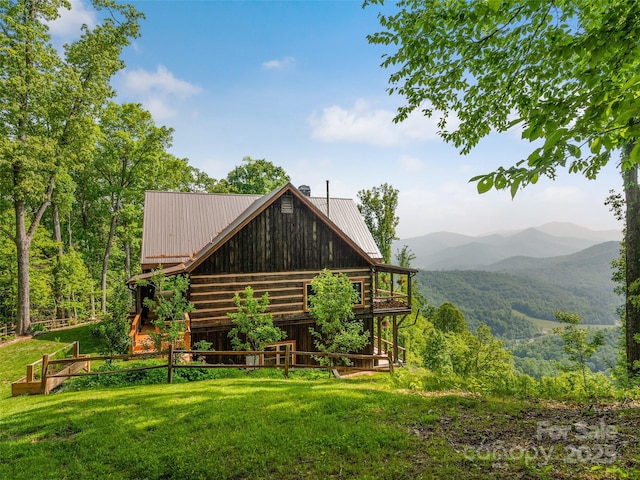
[[454, 251], [506, 279]]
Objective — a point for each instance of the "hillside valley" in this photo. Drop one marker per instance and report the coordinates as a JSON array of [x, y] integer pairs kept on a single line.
[[509, 292]]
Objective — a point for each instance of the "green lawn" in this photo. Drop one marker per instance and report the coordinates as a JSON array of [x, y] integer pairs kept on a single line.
[[547, 326], [251, 427]]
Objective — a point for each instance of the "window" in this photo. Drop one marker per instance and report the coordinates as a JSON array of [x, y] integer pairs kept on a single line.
[[357, 284], [286, 204]]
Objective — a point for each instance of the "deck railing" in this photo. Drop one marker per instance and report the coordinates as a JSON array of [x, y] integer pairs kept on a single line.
[[140, 339], [386, 347]]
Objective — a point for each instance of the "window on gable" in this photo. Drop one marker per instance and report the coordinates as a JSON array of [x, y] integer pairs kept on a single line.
[[286, 204]]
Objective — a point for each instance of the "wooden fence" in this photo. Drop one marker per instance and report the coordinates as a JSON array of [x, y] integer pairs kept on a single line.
[[49, 379], [7, 330], [54, 324], [43, 382]]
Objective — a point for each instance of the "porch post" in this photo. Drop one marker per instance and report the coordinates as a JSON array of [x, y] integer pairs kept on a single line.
[[395, 339]]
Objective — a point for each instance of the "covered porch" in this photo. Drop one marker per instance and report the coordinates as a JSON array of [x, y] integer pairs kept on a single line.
[[392, 303]]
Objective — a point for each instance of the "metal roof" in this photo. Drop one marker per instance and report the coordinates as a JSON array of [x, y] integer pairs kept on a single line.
[[178, 226]]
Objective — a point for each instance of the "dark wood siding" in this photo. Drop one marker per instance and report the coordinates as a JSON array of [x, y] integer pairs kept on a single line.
[[299, 331], [212, 295], [278, 253], [275, 242]]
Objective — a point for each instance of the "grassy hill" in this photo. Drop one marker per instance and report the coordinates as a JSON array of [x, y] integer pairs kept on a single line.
[[250, 427]]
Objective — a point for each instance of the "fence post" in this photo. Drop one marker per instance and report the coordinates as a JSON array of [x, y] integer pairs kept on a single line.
[[45, 368], [76, 349], [390, 359], [287, 352], [170, 365]]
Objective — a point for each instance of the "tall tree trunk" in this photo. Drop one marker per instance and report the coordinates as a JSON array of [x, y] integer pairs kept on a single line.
[[632, 272], [127, 268], [22, 242], [105, 261], [57, 234], [57, 229]]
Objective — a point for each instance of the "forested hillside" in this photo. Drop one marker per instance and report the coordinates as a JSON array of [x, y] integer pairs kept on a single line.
[[497, 298]]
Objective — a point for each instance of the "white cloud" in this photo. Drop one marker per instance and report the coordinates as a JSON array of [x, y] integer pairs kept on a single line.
[[561, 194], [278, 64], [162, 81], [67, 26], [410, 164], [158, 90], [450, 205], [364, 124]]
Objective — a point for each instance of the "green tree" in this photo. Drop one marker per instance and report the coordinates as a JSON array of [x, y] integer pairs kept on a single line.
[[336, 330], [169, 305], [378, 207], [579, 344], [436, 355], [404, 256], [257, 176], [129, 150], [253, 325], [113, 331], [565, 72], [74, 284], [46, 106], [447, 318]]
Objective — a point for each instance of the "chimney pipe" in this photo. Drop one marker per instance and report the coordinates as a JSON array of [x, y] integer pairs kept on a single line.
[[305, 190], [328, 199]]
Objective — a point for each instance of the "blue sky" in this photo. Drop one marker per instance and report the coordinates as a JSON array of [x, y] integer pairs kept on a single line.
[[297, 83]]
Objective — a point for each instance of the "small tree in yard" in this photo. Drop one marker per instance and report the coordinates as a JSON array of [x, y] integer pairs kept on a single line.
[[335, 331], [113, 332], [169, 305], [253, 325], [577, 345]]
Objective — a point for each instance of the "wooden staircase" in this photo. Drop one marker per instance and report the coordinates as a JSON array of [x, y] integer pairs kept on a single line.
[[142, 341]]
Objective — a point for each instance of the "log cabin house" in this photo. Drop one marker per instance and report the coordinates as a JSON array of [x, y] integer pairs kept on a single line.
[[275, 243]]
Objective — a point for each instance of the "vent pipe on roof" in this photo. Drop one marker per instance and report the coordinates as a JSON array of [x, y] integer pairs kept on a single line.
[[327, 198], [305, 190]]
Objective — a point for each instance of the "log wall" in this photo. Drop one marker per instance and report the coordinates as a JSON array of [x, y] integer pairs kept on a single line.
[[212, 295]]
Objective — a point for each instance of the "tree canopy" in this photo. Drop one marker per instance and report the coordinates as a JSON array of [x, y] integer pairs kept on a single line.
[[47, 103], [256, 176], [566, 72], [378, 207]]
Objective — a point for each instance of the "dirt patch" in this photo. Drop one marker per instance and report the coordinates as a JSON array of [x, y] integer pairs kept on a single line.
[[14, 340], [555, 438]]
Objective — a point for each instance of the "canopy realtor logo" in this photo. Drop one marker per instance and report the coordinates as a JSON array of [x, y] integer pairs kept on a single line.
[[579, 442]]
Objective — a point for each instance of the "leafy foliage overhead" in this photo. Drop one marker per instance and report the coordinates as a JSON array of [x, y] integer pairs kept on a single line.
[[565, 72]]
